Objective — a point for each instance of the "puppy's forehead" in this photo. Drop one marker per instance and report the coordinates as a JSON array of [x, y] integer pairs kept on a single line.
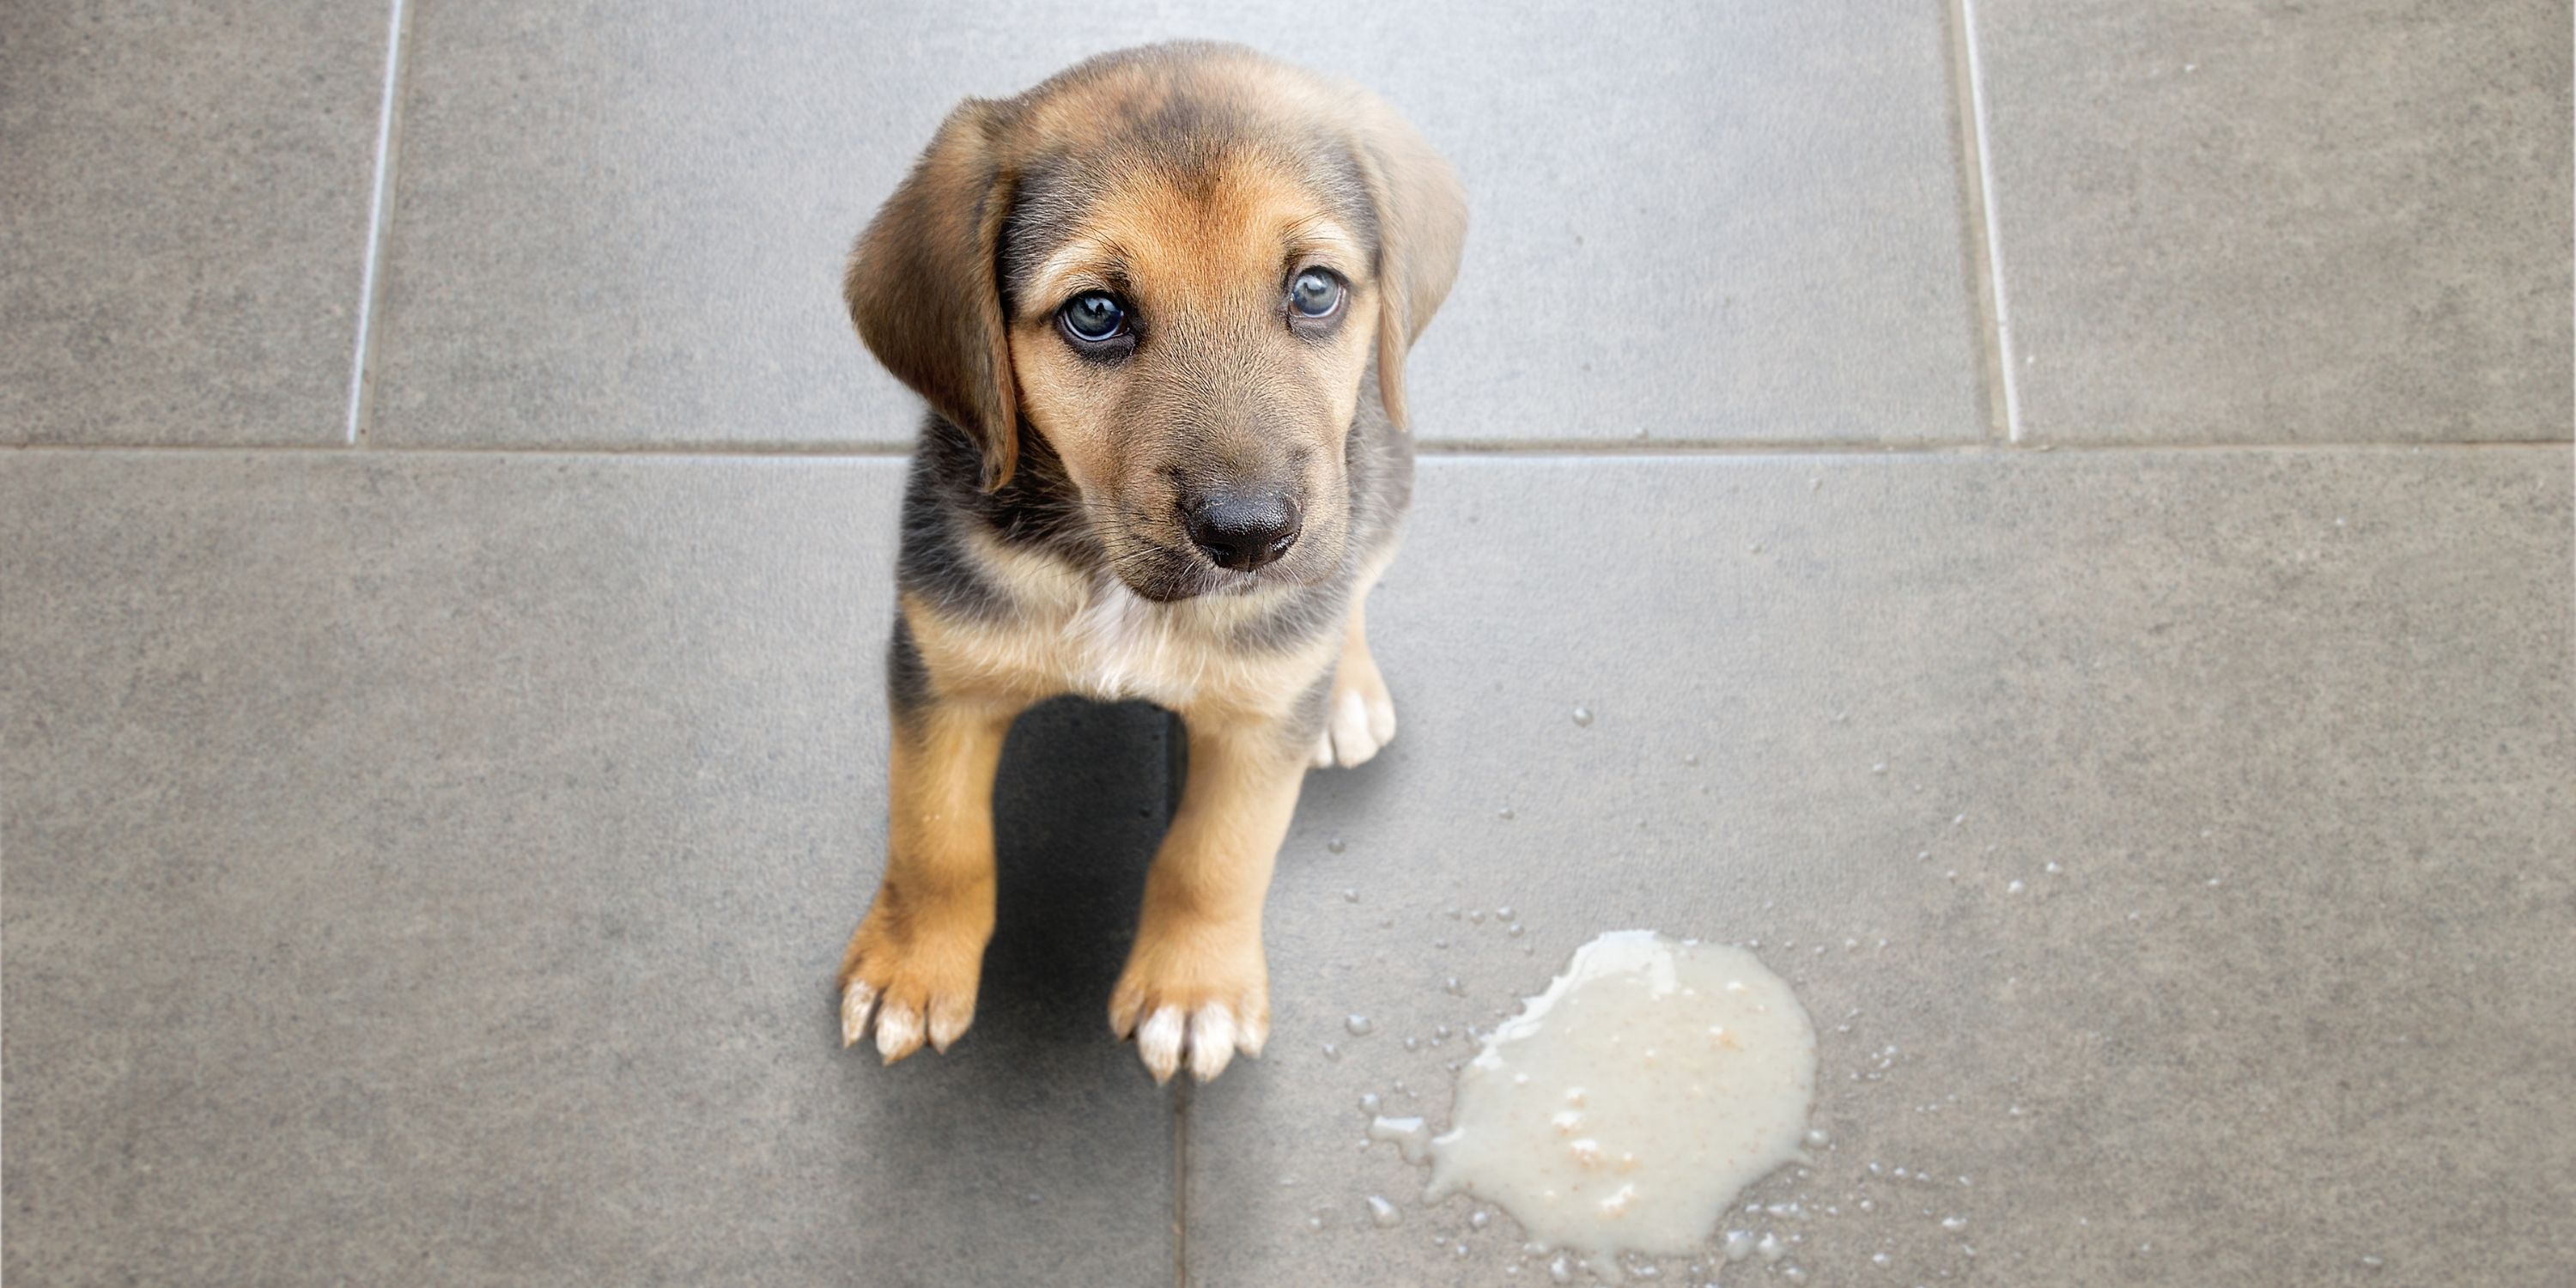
[[1157, 155]]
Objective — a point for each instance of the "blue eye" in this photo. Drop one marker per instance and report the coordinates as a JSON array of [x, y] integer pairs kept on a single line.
[[1093, 317], [1315, 294]]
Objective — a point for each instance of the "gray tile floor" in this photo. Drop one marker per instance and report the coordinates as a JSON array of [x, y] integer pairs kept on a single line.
[[2096, 599]]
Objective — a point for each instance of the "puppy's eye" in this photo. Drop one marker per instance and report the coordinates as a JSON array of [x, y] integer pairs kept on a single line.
[[1315, 294], [1093, 317]]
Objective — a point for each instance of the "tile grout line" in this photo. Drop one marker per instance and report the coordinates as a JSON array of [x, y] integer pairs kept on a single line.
[[1181, 1182], [1468, 449], [1176, 748], [379, 200], [1986, 236]]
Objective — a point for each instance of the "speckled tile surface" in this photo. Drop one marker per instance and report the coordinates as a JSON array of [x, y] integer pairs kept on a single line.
[[2226, 221]]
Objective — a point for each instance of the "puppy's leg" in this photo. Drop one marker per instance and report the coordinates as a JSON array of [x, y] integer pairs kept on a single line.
[[1196, 982], [1361, 716], [919, 952]]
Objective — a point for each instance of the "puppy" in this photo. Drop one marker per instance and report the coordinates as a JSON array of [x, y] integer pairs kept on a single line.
[[1159, 307]]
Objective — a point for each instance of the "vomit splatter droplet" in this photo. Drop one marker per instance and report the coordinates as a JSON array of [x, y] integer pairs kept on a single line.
[[1583, 717], [1408, 1135], [1383, 1212], [1359, 1025]]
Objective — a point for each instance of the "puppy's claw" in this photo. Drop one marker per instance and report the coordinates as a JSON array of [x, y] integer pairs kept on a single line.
[[1158, 1040], [898, 1032], [1125, 1008], [855, 1002], [948, 1021], [1211, 1040]]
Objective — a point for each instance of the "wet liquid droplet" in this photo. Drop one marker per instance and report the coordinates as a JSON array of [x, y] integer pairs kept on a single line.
[[1359, 1025], [1383, 1213], [1408, 1135], [1583, 717], [1335, 845]]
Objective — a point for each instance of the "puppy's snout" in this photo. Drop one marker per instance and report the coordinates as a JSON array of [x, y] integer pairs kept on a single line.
[[1243, 531]]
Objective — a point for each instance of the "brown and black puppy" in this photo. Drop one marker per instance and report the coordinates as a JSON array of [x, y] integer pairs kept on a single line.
[[1159, 307]]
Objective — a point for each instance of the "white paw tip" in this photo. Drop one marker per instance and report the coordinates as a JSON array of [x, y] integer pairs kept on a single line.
[[1324, 752], [1353, 735], [898, 1032], [1381, 722], [947, 1024], [1211, 1040], [1158, 1041], [855, 1001], [1254, 1035]]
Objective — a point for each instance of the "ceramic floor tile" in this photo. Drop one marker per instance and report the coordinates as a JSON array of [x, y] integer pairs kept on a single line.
[[2224, 220], [184, 223]]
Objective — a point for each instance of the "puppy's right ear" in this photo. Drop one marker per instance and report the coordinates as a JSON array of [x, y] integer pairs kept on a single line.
[[922, 290]]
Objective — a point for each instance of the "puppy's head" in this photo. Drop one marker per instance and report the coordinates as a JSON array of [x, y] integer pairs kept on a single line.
[[1180, 265]]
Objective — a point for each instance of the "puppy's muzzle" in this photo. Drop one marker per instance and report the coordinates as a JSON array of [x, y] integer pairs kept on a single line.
[[1243, 530]]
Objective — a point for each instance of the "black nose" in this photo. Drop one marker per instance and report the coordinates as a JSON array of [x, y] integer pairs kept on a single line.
[[1244, 532]]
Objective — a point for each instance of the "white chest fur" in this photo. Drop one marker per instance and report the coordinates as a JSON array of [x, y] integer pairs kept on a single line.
[[1119, 644]]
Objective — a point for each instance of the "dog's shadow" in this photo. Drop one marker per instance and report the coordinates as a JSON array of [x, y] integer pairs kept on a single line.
[[1038, 1103], [1081, 801]]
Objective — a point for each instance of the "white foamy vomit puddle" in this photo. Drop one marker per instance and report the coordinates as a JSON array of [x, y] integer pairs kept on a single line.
[[1623, 1109]]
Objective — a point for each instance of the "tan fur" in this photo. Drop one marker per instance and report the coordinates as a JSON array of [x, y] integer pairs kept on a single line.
[[920, 950]]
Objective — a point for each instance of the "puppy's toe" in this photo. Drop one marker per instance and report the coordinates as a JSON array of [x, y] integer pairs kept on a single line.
[[857, 1000], [1159, 1040], [898, 1031], [1212, 1039]]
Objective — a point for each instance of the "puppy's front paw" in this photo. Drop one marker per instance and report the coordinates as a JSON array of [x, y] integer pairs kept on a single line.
[[916, 975], [1201, 995], [1361, 718]]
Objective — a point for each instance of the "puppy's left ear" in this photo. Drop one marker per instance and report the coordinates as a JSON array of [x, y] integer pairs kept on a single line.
[[1422, 221], [922, 290]]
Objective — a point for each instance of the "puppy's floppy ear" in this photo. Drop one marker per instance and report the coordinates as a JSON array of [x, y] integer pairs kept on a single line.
[[1422, 222], [922, 289]]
